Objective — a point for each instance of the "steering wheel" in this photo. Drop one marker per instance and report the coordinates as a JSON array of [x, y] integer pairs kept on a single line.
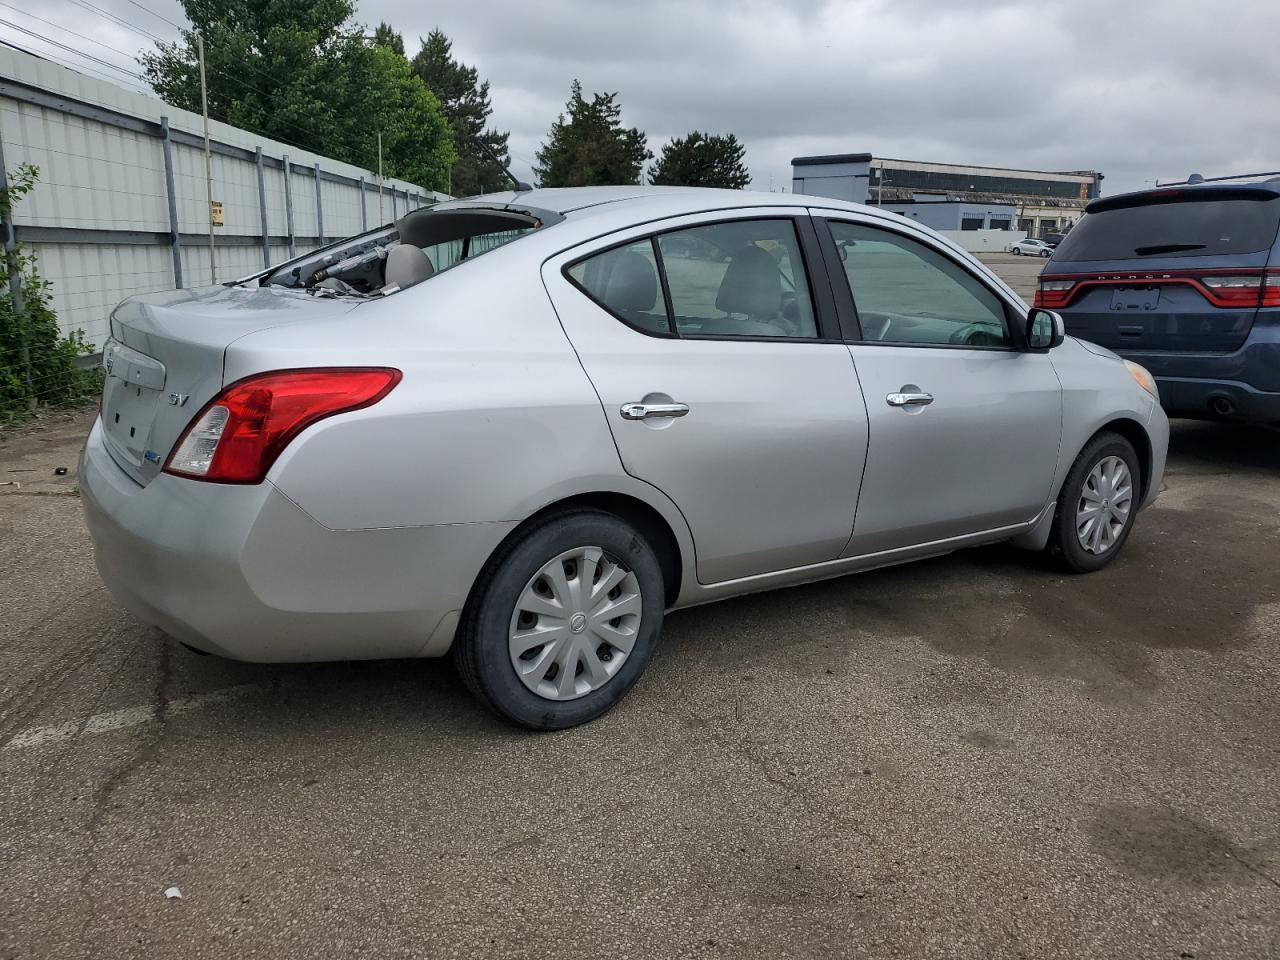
[[976, 335]]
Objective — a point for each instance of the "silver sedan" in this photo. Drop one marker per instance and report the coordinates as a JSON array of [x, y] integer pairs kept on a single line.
[[520, 428]]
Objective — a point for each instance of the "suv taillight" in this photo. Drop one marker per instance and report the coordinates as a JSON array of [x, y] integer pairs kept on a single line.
[[240, 432], [1052, 294], [1229, 290]]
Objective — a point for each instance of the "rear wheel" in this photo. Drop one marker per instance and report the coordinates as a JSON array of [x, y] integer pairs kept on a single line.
[[1017, 252], [563, 622], [1098, 504]]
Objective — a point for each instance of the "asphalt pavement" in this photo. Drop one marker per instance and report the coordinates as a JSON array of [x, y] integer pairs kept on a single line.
[[972, 756]]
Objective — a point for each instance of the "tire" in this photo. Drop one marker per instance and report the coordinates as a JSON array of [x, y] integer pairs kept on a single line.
[[523, 575], [1017, 252], [1106, 539]]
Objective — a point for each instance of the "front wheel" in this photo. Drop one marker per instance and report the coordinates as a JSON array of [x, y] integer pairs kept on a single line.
[[1097, 505], [563, 621]]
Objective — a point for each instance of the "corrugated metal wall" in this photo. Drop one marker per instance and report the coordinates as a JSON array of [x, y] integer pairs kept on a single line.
[[99, 219]]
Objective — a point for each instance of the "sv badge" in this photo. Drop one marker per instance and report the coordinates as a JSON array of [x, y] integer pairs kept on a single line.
[[178, 399]]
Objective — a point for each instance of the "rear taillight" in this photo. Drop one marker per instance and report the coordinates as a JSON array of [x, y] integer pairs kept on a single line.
[[1228, 290], [1271, 290], [1053, 293], [240, 432]]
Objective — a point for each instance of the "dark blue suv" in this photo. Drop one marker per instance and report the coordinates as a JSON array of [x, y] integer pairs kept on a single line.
[[1185, 280]]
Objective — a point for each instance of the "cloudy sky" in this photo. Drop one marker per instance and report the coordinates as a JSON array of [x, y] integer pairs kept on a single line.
[[1139, 89]]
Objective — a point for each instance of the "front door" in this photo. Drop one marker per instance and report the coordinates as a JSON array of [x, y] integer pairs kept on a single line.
[[723, 384], [964, 424]]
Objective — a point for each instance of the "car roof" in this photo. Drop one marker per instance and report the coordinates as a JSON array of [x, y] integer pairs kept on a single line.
[[565, 200]]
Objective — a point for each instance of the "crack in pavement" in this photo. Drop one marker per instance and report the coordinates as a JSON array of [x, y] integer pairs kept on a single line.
[[105, 790]]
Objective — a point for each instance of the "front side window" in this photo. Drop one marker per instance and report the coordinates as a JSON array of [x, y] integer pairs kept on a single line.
[[743, 278], [907, 293]]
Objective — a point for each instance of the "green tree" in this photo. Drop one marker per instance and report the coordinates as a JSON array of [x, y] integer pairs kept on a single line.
[[702, 160], [465, 101], [588, 145], [302, 71], [386, 36]]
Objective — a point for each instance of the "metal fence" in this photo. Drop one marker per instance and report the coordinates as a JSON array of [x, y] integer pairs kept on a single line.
[[121, 205]]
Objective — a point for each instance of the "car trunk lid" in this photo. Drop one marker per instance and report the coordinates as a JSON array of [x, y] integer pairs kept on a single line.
[[164, 360]]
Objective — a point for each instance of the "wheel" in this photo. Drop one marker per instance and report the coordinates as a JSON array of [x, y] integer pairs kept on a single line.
[[562, 621], [1017, 252], [1097, 506], [1046, 253]]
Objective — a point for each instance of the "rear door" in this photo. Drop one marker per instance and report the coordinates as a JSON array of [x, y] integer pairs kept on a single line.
[[724, 380], [965, 426], [1177, 270]]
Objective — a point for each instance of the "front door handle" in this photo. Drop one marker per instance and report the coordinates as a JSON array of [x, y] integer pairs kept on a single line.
[[909, 399], [652, 411]]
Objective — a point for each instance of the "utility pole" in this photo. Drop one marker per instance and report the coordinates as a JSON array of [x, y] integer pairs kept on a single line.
[[380, 220], [208, 159]]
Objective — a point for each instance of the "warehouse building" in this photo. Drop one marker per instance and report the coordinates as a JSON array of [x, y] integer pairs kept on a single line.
[[948, 196]]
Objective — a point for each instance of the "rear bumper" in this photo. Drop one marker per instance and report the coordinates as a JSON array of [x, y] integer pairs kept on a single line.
[[1205, 399], [1248, 378], [243, 572]]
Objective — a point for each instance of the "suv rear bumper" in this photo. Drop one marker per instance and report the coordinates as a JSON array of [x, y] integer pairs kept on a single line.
[[1247, 379], [244, 572], [1217, 400]]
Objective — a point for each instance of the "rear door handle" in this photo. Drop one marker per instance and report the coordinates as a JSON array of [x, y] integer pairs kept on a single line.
[[652, 411], [909, 399]]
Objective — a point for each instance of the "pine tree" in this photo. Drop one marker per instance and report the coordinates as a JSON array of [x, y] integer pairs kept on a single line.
[[588, 145], [465, 101], [702, 160]]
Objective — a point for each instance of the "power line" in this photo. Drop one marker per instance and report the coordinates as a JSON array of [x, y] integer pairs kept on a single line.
[[80, 36], [124, 23], [158, 16], [71, 50], [307, 134], [43, 55]]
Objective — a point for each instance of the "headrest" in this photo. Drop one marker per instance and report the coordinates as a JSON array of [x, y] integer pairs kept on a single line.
[[407, 265], [752, 284], [633, 283]]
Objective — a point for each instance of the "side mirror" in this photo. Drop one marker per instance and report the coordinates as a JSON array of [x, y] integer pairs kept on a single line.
[[1045, 329]]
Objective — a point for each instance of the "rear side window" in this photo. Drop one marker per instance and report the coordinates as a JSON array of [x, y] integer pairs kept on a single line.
[[1179, 227], [625, 281], [742, 278], [738, 280]]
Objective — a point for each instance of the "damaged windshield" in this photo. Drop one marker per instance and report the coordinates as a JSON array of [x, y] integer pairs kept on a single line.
[[398, 255]]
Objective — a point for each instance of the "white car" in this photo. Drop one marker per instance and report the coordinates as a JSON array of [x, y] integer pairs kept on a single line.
[[1031, 247]]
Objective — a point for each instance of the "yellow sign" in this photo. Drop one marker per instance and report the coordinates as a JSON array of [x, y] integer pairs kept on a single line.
[[215, 213]]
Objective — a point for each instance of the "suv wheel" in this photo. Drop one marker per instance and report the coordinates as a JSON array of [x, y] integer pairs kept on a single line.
[[1097, 505], [563, 621]]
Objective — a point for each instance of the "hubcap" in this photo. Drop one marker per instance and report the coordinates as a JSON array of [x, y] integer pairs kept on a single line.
[[1106, 502], [574, 624]]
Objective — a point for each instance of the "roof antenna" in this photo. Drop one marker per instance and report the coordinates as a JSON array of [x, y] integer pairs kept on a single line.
[[521, 186]]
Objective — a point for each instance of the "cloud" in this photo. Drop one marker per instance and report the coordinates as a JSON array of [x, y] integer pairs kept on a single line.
[[1138, 90]]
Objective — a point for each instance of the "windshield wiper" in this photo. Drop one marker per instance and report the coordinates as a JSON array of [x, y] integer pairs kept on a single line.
[[1167, 248]]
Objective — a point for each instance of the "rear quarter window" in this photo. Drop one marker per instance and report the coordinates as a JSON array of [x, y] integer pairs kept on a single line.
[[1181, 227]]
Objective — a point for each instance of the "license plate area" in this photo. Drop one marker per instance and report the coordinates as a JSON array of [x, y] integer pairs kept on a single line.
[[1127, 299], [130, 397]]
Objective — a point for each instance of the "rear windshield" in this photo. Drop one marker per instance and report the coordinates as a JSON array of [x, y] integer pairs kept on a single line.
[[1178, 227]]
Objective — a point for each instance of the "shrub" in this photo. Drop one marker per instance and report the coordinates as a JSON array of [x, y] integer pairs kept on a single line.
[[37, 364]]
